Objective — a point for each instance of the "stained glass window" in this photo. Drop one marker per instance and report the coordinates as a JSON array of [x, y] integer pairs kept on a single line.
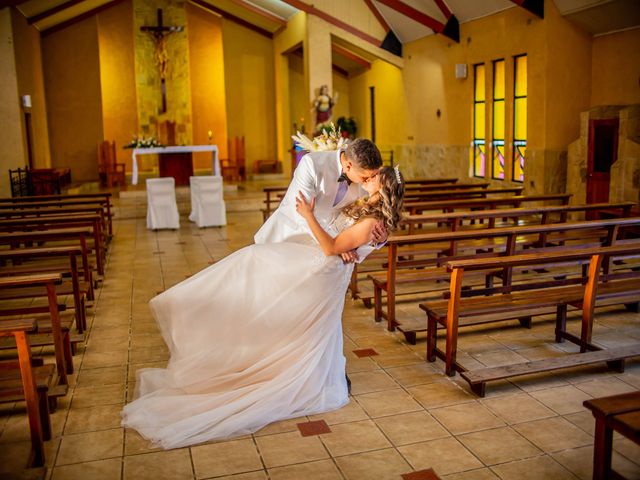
[[477, 157], [497, 144], [519, 117]]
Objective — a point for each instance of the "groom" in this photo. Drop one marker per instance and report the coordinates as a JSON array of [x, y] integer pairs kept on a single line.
[[333, 179]]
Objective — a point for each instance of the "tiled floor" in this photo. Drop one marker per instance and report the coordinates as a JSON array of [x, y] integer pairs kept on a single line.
[[404, 415]]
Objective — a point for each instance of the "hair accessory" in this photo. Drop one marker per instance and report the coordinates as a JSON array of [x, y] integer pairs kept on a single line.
[[397, 170]]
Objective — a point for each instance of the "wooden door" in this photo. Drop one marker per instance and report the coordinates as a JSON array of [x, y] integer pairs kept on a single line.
[[603, 152]]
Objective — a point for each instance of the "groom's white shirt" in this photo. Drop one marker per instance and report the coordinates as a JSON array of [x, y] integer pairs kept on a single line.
[[315, 176]]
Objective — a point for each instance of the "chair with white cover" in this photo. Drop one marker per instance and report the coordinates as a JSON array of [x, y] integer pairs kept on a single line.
[[162, 208], [207, 202]]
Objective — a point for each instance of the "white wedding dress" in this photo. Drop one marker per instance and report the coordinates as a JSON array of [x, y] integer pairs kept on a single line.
[[254, 339]]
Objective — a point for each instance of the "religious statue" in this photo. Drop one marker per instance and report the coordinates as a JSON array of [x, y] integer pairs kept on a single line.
[[323, 107]]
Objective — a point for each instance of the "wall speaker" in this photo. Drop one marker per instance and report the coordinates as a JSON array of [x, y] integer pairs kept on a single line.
[[461, 70]]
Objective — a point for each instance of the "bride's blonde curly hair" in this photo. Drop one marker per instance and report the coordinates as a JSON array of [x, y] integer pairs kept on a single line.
[[387, 205]]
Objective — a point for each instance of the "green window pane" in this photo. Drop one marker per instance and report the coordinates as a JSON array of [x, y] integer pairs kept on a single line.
[[478, 121], [520, 119], [498, 80], [521, 76], [479, 83], [498, 120]]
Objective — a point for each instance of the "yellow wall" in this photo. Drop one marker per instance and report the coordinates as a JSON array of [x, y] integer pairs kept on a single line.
[[616, 69], [250, 87], [30, 82], [206, 63], [72, 83], [117, 77], [300, 109], [12, 153], [354, 13], [342, 107]]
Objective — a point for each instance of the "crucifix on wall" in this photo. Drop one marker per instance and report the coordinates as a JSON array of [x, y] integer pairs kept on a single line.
[[160, 32]]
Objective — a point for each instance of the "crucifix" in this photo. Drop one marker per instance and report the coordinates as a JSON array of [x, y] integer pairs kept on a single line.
[[159, 32]]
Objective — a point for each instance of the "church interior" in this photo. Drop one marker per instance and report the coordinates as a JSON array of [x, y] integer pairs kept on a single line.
[[496, 334]]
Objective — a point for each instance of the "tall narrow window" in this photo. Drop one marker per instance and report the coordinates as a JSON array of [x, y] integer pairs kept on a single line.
[[519, 117], [477, 160], [497, 144]]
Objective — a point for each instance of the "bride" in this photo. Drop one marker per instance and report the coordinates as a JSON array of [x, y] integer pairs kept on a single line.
[[257, 337]]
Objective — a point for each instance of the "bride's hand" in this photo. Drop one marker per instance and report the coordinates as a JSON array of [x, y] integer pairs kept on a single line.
[[303, 208]]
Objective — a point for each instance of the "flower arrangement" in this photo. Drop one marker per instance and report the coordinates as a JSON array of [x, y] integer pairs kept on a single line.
[[329, 139], [143, 142]]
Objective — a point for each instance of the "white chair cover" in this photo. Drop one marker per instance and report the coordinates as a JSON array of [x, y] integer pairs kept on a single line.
[[207, 202], [162, 208]]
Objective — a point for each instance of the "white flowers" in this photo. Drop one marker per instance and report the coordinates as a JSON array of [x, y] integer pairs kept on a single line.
[[331, 140]]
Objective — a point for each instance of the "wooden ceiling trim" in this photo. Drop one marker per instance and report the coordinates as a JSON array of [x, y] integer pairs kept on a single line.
[[444, 8], [259, 11], [78, 18], [351, 56], [52, 11], [232, 18], [451, 29], [310, 9], [378, 15]]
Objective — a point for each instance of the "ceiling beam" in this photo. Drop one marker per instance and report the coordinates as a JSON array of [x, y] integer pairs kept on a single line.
[[310, 9], [378, 15], [534, 6], [78, 18], [259, 11], [52, 11], [232, 18], [424, 19], [11, 3], [444, 8], [351, 56]]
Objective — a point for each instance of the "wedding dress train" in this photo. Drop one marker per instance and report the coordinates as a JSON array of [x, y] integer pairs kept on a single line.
[[254, 339]]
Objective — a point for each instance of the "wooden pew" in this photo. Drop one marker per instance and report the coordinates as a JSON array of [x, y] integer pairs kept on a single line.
[[79, 290], [534, 299], [429, 181], [490, 203], [444, 186], [102, 198], [619, 413], [51, 323], [61, 221], [273, 197], [490, 242], [446, 194], [39, 422]]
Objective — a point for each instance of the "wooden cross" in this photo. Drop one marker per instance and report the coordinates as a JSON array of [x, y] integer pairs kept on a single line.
[[159, 32]]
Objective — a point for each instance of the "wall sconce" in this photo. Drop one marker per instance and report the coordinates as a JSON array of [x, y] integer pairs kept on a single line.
[[461, 70]]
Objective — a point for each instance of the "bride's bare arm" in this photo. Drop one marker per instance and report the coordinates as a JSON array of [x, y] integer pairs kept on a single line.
[[350, 239]]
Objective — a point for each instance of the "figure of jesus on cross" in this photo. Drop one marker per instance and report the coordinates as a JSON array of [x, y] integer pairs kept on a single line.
[[160, 32]]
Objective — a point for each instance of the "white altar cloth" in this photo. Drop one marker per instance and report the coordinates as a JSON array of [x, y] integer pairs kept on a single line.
[[215, 162]]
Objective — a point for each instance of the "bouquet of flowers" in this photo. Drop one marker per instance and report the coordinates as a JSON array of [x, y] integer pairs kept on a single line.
[[143, 142], [329, 139]]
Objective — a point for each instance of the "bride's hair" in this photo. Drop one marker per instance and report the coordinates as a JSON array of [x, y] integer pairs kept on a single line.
[[387, 205]]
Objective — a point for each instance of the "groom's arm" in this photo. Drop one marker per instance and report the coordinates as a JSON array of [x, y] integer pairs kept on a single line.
[[304, 181]]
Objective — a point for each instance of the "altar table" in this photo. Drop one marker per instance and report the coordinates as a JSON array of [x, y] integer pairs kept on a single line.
[[215, 162]]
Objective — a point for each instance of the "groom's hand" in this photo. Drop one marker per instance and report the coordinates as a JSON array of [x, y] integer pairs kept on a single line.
[[350, 257], [379, 233]]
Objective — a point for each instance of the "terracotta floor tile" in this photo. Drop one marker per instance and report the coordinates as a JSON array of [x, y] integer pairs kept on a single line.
[[320, 470], [445, 455], [580, 462], [314, 427], [288, 448], [480, 474], [411, 428], [170, 464], [499, 445], [365, 352], [96, 377], [84, 397], [355, 437], [538, 468], [260, 475], [604, 387], [352, 412], [225, 458], [102, 417], [381, 465], [554, 434], [99, 470], [518, 408], [134, 443], [283, 426], [418, 374], [387, 402], [428, 474]]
